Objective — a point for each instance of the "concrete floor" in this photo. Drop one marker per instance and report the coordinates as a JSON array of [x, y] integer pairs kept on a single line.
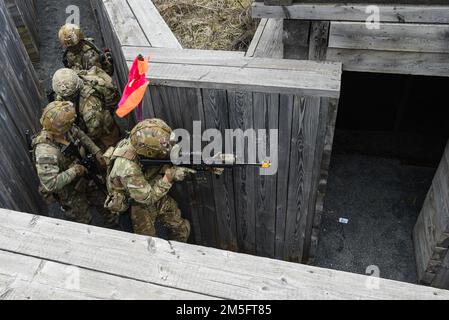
[[382, 199]]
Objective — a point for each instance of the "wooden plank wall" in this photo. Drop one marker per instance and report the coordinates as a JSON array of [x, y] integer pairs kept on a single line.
[[418, 49], [24, 14], [20, 108], [431, 233], [410, 39], [241, 210], [344, 11], [42, 258]]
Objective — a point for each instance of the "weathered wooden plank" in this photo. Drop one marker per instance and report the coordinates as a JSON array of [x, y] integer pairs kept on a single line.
[[427, 64], [319, 37], [232, 59], [216, 114], [353, 12], [390, 37], [267, 42], [248, 79], [285, 132], [153, 25], [241, 116], [24, 15], [184, 267], [124, 23], [20, 99], [304, 134], [266, 117], [29, 278], [431, 232]]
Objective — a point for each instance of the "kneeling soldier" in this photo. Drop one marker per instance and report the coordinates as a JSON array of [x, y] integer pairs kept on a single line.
[[60, 174], [95, 98], [145, 192]]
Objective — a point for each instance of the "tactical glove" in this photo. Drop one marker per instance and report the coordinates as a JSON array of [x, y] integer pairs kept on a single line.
[[178, 174], [80, 170]]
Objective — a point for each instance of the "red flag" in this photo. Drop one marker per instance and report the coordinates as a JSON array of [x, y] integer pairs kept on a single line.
[[136, 87]]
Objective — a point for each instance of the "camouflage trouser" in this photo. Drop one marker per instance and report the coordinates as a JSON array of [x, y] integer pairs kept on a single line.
[[76, 202], [96, 198], [75, 205], [167, 211]]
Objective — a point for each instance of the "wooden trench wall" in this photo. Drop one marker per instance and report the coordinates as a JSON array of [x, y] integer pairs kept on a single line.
[[412, 38], [272, 216], [24, 14], [20, 107]]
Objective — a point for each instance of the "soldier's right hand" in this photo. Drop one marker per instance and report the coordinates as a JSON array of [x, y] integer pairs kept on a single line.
[[178, 174], [80, 170]]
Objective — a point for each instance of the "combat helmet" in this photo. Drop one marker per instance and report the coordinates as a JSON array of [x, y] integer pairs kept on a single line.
[[151, 139], [58, 117], [70, 35], [66, 83]]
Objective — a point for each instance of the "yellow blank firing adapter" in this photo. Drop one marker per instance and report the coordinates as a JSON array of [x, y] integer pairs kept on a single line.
[[266, 165]]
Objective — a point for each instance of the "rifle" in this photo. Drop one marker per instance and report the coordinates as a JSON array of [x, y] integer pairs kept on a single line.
[[222, 161], [89, 162]]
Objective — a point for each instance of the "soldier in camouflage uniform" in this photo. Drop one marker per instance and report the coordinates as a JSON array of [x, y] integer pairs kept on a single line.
[[60, 174], [95, 98], [81, 53], [145, 192]]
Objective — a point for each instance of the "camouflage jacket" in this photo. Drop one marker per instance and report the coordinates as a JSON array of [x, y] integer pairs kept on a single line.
[[127, 177], [86, 56], [97, 100], [55, 169]]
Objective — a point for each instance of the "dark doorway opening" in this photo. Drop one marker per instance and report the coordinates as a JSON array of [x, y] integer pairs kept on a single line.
[[391, 134]]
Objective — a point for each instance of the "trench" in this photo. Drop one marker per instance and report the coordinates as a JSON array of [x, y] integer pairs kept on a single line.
[[387, 148], [52, 15], [390, 137]]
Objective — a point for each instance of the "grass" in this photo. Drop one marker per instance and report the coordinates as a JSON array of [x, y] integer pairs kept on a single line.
[[210, 24]]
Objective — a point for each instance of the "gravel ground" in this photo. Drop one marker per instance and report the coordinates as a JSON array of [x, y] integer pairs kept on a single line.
[[381, 198]]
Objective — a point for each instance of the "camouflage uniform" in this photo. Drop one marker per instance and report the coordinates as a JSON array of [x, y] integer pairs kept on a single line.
[[144, 192], [95, 97], [60, 176], [81, 53]]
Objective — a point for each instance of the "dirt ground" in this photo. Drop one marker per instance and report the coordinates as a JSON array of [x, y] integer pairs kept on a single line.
[[381, 197]]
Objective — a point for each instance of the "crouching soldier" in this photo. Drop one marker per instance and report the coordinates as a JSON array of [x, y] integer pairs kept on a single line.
[[144, 193], [81, 53], [95, 98], [60, 173]]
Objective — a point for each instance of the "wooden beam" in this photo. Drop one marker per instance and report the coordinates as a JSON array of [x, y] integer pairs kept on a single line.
[[390, 37], [267, 42], [153, 25], [417, 63], [353, 12], [170, 265], [181, 68], [29, 278]]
